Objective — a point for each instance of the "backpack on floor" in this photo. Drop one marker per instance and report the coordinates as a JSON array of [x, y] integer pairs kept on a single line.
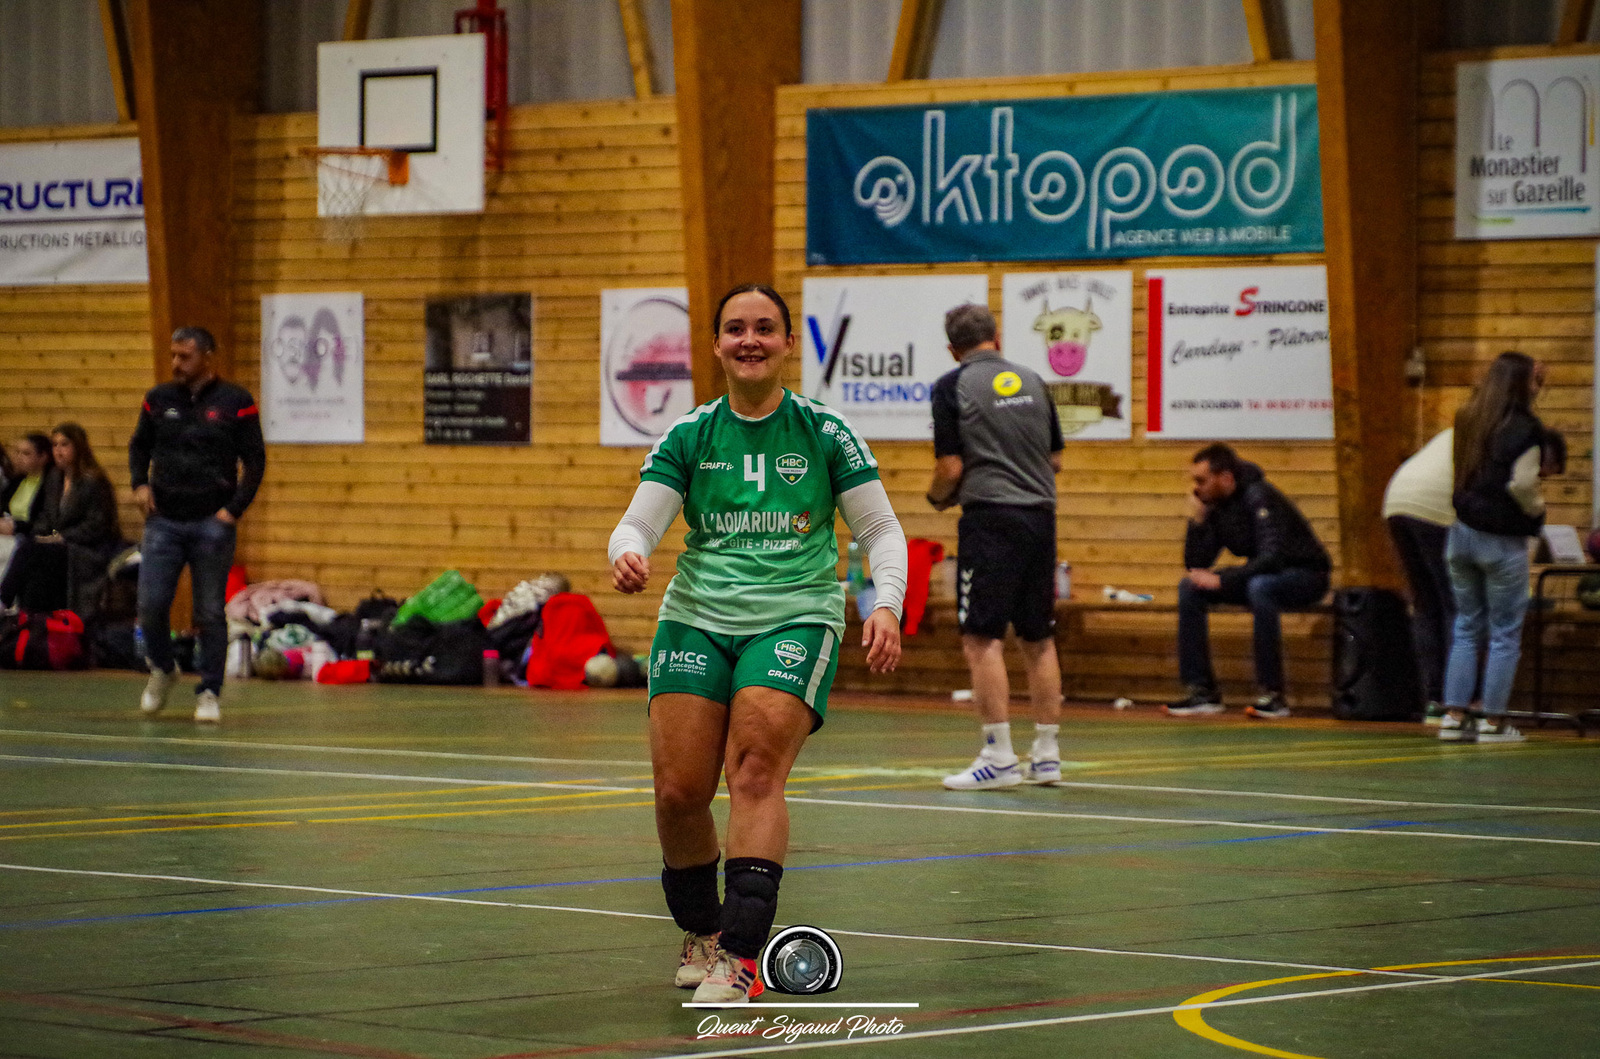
[[419, 652], [41, 641], [1374, 663]]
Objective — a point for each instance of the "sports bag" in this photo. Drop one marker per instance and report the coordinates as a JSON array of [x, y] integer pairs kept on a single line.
[[420, 652], [1374, 663], [41, 641]]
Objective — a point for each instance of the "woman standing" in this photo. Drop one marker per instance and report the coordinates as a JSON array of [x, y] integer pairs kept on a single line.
[[747, 642], [75, 534], [1498, 507]]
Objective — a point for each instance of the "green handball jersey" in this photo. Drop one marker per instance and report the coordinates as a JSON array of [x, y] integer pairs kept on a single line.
[[758, 496]]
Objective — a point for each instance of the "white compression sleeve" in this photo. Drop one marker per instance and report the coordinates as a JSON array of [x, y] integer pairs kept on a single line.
[[871, 519], [653, 508]]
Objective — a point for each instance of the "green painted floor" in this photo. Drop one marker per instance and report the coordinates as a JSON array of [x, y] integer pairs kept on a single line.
[[385, 872]]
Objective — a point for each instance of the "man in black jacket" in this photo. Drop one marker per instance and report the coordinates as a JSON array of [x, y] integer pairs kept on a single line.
[[1233, 506], [193, 434]]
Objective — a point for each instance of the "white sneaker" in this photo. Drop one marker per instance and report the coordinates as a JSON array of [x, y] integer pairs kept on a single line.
[[986, 774], [155, 691], [207, 710], [729, 980], [699, 950], [1042, 772], [1432, 713], [1455, 728], [1499, 730]]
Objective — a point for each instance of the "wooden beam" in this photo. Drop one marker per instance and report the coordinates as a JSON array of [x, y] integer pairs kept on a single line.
[[1269, 38], [357, 19], [914, 39], [189, 88], [729, 57], [640, 58], [1367, 87], [114, 26], [1575, 18]]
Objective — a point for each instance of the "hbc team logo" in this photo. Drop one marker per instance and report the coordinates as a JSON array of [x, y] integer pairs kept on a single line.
[[792, 467], [790, 652]]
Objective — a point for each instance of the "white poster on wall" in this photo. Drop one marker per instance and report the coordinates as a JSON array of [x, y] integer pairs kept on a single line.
[[1076, 330], [312, 387], [72, 211], [1525, 151], [646, 372], [872, 347], [1238, 353]]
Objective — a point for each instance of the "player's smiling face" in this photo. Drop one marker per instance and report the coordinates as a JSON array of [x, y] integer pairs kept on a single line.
[[751, 341]]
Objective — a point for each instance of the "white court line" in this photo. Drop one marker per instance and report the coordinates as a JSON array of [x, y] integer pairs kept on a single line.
[[853, 769], [237, 743], [442, 899], [1298, 828], [856, 804], [479, 782], [1328, 798], [1102, 1016]]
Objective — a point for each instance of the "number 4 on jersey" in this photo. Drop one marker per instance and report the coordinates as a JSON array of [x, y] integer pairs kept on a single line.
[[755, 470]]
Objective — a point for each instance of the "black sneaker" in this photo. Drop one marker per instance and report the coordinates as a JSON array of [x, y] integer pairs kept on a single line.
[[1269, 707], [1200, 703]]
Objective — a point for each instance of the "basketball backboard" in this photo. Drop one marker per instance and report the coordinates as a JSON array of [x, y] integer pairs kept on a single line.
[[421, 95]]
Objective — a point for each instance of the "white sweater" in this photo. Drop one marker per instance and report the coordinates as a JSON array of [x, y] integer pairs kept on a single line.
[[1422, 487]]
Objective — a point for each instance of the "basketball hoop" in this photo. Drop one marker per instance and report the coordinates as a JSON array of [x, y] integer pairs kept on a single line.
[[346, 179]]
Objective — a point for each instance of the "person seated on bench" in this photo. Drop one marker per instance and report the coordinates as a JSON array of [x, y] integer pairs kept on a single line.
[[63, 563], [1233, 506]]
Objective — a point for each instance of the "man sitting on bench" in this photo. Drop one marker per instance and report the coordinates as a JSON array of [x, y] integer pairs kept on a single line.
[[1233, 506]]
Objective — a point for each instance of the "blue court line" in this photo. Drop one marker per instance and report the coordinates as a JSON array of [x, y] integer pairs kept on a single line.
[[1065, 851]]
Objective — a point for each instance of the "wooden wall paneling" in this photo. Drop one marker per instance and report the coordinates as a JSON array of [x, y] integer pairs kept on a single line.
[[190, 88], [357, 17], [729, 58], [1576, 15], [1366, 102], [1268, 38]]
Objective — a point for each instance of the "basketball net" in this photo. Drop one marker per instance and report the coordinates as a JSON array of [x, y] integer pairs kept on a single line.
[[347, 177]]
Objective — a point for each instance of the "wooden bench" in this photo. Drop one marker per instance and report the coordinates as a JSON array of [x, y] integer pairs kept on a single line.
[[1110, 650]]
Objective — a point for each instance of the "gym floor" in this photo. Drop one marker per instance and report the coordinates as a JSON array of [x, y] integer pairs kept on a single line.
[[428, 872]]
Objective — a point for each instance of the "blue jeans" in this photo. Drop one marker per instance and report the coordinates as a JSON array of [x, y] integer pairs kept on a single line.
[[1267, 596], [1489, 578], [206, 547]]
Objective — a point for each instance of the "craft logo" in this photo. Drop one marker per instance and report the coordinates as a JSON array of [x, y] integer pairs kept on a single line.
[[1121, 185], [792, 467], [1007, 383], [790, 652]]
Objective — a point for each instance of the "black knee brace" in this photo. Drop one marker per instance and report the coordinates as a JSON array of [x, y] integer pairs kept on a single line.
[[749, 904], [692, 897]]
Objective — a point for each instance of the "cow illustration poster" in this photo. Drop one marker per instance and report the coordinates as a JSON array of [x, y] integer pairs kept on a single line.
[[1525, 150], [1076, 330], [312, 383]]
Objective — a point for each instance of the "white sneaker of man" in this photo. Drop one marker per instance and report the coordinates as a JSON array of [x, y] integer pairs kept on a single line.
[[1042, 772], [986, 774], [207, 710], [156, 690]]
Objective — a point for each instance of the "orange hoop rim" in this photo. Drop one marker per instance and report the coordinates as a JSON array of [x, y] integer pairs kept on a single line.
[[399, 161]]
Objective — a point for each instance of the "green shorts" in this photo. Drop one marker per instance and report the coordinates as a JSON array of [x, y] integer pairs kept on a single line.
[[799, 659]]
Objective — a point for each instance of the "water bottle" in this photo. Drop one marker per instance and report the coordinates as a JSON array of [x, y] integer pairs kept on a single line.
[[853, 571], [491, 668], [1063, 580]]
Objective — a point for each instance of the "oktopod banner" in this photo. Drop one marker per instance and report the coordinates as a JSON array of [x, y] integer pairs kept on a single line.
[[313, 385], [1232, 171], [1238, 353], [72, 211]]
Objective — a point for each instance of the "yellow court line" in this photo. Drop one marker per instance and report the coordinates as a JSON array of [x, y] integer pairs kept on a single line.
[[407, 792], [147, 830], [1193, 1019], [481, 812], [307, 809]]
